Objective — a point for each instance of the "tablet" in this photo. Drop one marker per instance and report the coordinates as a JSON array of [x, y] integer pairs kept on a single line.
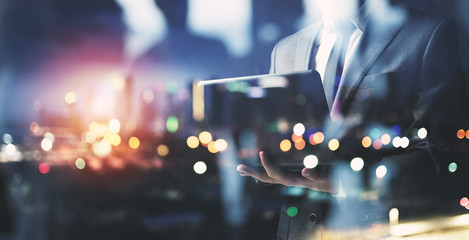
[[276, 113]]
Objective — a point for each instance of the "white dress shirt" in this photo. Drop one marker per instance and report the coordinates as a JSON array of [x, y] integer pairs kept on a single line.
[[327, 41]]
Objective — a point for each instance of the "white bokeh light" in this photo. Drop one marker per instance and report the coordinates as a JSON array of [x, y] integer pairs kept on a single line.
[[299, 129], [396, 142], [46, 144], [357, 164], [200, 167], [404, 142], [381, 171], [422, 133], [310, 161]]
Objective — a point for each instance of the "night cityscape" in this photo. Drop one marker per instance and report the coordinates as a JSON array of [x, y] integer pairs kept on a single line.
[[106, 132]]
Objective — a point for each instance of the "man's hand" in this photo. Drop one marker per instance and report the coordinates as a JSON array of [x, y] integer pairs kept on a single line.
[[307, 179]]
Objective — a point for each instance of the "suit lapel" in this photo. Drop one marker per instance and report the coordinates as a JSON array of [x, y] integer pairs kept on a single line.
[[373, 42], [305, 45]]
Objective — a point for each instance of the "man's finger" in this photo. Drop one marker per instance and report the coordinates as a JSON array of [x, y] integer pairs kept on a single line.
[[247, 171]]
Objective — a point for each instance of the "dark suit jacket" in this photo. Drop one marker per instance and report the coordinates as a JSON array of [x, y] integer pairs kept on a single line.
[[404, 72]]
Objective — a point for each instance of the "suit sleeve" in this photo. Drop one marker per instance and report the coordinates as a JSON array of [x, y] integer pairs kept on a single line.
[[438, 109]]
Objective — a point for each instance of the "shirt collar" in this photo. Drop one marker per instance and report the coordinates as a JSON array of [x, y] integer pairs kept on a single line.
[[359, 20]]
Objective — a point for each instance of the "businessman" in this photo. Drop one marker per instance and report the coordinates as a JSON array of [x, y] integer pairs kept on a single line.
[[381, 65]]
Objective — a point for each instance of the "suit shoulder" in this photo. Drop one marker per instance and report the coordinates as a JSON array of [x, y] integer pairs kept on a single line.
[[305, 34], [427, 20]]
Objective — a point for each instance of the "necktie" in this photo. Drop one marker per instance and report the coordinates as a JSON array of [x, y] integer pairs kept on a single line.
[[335, 63]]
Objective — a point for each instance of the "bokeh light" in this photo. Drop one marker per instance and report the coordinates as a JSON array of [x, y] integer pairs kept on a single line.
[[467, 134], [464, 202], [385, 139], [422, 133], [377, 144], [299, 129], [211, 147], [300, 145], [366, 142], [70, 97], [453, 167], [50, 136], [37, 106], [192, 142], [205, 138], [394, 216], [396, 130], [292, 211], [162, 150], [310, 161], [80, 163], [404, 142], [461, 133], [114, 139], [200, 167], [296, 138], [333, 144], [316, 138], [134, 142], [381, 171], [114, 125], [98, 129], [90, 137], [10, 149], [357, 164], [285, 145], [34, 127], [101, 148], [172, 124], [148, 95], [221, 145], [46, 144], [95, 164], [171, 87], [7, 138], [44, 168], [396, 142], [375, 133]]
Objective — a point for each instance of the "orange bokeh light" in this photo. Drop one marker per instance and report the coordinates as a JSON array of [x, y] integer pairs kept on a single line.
[[295, 138], [316, 138], [366, 142], [300, 145], [461, 134], [285, 145]]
